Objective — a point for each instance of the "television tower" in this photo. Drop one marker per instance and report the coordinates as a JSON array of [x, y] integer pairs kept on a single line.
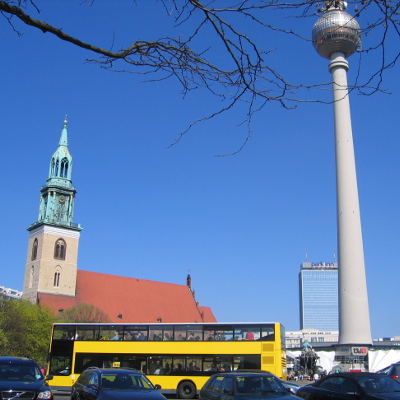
[[336, 36]]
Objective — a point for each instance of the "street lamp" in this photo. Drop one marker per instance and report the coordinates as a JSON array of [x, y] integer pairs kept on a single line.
[[336, 36]]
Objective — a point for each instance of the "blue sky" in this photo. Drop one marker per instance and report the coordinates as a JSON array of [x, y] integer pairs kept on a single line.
[[239, 225]]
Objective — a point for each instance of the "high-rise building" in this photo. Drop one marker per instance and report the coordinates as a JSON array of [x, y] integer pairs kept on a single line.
[[319, 300]]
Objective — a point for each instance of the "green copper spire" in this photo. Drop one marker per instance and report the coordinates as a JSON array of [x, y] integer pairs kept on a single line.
[[58, 196], [64, 134], [61, 163]]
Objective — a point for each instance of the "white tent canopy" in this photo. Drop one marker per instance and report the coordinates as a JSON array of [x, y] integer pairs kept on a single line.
[[379, 359]]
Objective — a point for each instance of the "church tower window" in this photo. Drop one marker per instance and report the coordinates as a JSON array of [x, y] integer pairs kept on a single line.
[[64, 168], [56, 279], [34, 249], [56, 169], [60, 249], [52, 165]]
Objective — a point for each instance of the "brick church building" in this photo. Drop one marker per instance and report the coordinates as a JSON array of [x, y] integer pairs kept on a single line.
[[52, 277]]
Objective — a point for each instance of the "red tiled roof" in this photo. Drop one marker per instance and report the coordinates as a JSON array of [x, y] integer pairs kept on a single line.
[[138, 300]]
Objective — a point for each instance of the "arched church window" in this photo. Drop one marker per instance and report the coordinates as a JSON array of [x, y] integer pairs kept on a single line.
[[64, 168], [53, 164], [34, 249], [60, 249], [56, 168], [56, 279]]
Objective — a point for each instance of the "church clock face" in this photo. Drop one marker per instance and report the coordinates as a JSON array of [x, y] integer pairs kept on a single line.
[[61, 199]]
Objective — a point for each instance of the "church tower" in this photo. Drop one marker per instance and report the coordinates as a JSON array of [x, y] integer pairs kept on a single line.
[[51, 262]]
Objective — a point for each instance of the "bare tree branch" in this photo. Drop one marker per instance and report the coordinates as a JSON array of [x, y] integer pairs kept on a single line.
[[246, 73]]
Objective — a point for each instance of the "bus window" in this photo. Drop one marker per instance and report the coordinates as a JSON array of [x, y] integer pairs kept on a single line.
[[209, 334], [247, 333], [188, 332], [162, 332], [64, 332], [83, 361], [227, 334], [220, 333], [194, 364], [251, 361], [168, 334], [212, 334], [89, 332], [159, 365], [156, 334], [180, 334], [128, 361], [267, 333], [179, 365], [224, 364], [209, 364], [194, 333], [110, 332], [137, 332], [60, 365]]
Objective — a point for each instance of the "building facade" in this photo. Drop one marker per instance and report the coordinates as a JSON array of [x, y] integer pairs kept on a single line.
[[319, 301], [296, 339], [9, 294]]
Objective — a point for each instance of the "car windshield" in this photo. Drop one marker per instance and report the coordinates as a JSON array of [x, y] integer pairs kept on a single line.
[[378, 384], [19, 372], [125, 381], [258, 384]]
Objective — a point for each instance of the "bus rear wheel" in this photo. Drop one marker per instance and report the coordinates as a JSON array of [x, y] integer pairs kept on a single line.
[[186, 390]]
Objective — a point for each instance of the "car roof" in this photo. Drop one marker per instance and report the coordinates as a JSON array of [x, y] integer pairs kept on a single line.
[[354, 374], [115, 370], [244, 373], [6, 359]]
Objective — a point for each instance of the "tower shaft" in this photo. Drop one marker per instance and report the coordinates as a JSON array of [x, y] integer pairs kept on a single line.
[[51, 263], [354, 321]]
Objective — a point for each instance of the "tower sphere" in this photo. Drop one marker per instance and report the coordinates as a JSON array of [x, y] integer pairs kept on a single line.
[[336, 31]]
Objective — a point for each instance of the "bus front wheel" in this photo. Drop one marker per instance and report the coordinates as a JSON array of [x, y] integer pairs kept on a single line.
[[186, 390]]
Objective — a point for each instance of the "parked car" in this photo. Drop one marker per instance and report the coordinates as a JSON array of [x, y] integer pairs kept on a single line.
[[245, 385], [352, 385], [288, 385], [394, 372], [114, 384], [292, 386], [21, 378]]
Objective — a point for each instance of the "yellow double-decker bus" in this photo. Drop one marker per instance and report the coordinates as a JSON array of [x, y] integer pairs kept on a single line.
[[178, 357]]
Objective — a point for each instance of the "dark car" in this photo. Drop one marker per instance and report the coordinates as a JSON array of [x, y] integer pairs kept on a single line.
[[352, 385], [293, 387], [21, 378], [244, 386], [394, 372], [114, 384]]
